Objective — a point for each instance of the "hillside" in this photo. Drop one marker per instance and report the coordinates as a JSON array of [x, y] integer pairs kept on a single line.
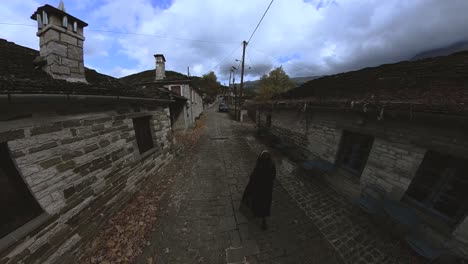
[[298, 80], [443, 51]]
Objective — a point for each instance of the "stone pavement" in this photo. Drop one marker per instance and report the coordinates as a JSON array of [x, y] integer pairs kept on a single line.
[[355, 237], [201, 222]]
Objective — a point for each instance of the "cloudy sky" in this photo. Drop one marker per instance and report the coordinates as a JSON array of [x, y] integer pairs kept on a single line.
[[306, 37]]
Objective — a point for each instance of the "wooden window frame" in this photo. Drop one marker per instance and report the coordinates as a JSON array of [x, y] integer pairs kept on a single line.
[[142, 127], [436, 190], [340, 157]]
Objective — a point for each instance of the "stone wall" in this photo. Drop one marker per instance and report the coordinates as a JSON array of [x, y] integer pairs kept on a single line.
[[392, 166], [323, 141], [63, 51], [398, 149], [291, 128], [80, 167], [197, 105], [194, 109]]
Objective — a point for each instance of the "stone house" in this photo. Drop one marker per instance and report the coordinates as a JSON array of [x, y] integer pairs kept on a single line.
[[183, 114], [401, 126], [74, 144]]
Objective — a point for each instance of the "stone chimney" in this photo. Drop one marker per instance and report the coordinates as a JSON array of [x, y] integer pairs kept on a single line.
[[160, 67], [61, 42]]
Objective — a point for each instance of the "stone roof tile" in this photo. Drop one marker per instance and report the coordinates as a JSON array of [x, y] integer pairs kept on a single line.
[[19, 74]]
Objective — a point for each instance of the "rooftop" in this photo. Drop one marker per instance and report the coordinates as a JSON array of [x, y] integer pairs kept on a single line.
[[150, 75], [437, 85], [20, 75]]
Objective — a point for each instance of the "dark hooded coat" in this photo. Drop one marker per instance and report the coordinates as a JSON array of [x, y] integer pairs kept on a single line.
[[258, 193]]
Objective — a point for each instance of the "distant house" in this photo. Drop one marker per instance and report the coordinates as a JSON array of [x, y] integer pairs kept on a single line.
[[400, 126], [74, 144], [183, 114]]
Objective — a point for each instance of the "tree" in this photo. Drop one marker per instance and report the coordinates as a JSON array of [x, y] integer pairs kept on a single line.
[[276, 82], [209, 85]]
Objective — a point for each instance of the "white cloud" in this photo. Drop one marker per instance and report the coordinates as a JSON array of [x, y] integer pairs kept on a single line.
[[13, 13], [319, 36]]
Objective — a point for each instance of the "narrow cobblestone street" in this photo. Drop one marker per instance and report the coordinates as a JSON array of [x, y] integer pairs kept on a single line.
[[201, 223]]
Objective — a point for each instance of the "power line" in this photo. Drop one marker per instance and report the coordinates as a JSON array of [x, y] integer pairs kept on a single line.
[[166, 37], [136, 34], [260, 21]]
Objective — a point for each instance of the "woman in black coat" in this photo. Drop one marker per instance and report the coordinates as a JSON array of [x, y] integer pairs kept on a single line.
[[258, 193]]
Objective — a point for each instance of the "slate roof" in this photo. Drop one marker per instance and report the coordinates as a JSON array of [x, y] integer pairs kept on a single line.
[[172, 77], [52, 10], [18, 74], [436, 85], [150, 75]]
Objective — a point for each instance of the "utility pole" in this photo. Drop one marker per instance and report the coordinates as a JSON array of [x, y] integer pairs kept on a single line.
[[188, 71], [229, 89], [242, 77], [235, 92]]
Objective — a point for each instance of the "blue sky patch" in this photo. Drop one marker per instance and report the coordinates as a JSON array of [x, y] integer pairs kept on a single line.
[[286, 58]]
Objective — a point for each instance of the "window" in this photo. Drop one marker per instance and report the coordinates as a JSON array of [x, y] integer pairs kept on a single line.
[[39, 21], [17, 204], [45, 18], [75, 26], [440, 186], [143, 133], [176, 89], [354, 151], [65, 22]]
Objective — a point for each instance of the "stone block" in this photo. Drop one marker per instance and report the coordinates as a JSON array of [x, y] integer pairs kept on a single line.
[[98, 127], [68, 192], [50, 35], [90, 148], [11, 135], [70, 63], [80, 43], [75, 53], [64, 37], [71, 123], [18, 154], [75, 70], [66, 166], [46, 129], [102, 120], [50, 162], [70, 140], [42, 147], [52, 59], [71, 155], [57, 48], [59, 69], [104, 143]]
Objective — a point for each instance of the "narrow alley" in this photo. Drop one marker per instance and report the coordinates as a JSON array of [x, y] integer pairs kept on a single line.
[[203, 223]]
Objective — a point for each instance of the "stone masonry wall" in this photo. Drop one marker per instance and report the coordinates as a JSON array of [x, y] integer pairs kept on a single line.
[[392, 166], [197, 105], [323, 141], [290, 127], [195, 108], [80, 168], [63, 51], [397, 151]]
